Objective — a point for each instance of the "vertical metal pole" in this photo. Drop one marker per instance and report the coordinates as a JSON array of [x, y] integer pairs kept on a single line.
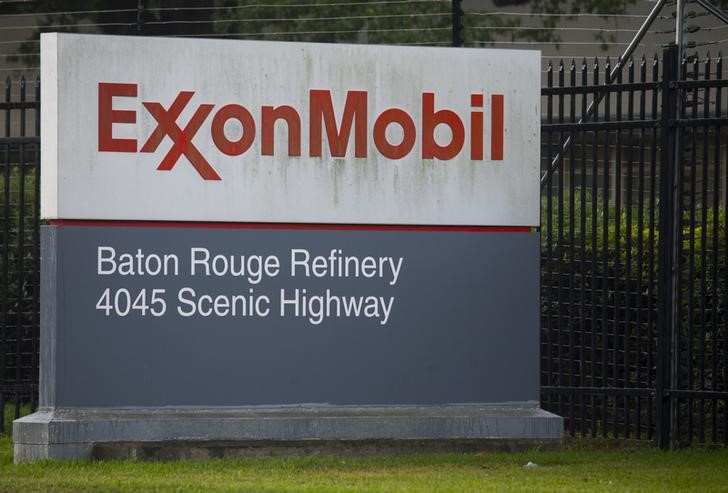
[[666, 292], [20, 261], [547, 277], [35, 333], [677, 222], [7, 218], [679, 32], [653, 309], [140, 12], [457, 23]]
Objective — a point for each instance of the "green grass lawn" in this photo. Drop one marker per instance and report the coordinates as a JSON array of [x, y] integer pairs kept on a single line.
[[584, 465]]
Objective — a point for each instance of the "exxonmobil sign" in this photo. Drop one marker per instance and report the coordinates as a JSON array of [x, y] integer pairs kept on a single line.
[[322, 121], [211, 130]]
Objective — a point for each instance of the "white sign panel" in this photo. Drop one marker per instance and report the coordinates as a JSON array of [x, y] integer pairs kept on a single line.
[[168, 129]]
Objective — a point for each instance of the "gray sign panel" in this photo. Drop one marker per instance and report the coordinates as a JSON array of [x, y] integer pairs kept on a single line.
[[167, 316]]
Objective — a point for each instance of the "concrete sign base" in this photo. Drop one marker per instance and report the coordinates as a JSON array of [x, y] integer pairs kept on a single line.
[[211, 334], [213, 432]]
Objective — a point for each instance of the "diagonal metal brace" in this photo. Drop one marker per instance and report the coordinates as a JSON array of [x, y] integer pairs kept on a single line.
[[720, 14], [612, 76]]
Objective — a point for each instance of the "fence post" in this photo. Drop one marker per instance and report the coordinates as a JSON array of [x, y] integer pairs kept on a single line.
[[669, 229], [457, 23]]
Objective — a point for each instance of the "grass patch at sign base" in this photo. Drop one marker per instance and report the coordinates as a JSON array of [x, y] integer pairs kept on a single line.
[[584, 465]]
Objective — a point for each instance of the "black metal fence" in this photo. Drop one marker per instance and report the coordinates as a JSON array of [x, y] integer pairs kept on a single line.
[[19, 244], [634, 243]]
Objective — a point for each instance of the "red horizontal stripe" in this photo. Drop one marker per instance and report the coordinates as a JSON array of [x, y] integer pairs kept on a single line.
[[297, 226]]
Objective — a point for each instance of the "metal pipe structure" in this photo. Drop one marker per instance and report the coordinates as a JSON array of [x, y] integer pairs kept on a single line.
[[680, 32], [713, 10], [620, 63]]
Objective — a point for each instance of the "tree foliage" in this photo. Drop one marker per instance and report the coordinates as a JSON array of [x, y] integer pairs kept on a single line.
[[337, 21]]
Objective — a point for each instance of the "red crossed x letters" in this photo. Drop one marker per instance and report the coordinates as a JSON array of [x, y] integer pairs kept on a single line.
[[167, 125]]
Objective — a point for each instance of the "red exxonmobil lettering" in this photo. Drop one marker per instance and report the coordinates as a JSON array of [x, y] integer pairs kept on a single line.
[[321, 118]]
